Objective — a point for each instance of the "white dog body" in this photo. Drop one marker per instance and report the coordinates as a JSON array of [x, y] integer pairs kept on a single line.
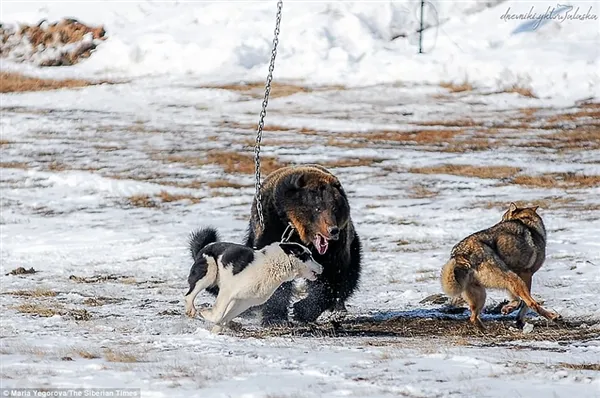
[[245, 277]]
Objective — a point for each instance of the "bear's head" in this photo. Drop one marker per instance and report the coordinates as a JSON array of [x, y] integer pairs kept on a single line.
[[316, 205]]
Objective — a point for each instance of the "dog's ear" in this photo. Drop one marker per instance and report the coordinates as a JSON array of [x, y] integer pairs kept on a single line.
[[300, 181], [534, 208], [291, 248], [513, 207], [296, 250]]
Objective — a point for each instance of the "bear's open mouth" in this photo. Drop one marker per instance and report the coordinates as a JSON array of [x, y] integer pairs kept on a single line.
[[321, 243]]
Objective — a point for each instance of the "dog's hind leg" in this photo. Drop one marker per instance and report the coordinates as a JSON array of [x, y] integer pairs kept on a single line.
[[474, 294], [521, 315], [494, 274], [214, 313], [517, 302], [225, 311], [235, 308], [203, 275]]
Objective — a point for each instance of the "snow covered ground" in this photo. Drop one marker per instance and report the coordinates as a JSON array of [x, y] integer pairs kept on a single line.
[[100, 187], [353, 43], [81, 169]]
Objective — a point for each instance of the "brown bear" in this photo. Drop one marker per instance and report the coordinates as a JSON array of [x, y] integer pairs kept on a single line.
[[312, 200]]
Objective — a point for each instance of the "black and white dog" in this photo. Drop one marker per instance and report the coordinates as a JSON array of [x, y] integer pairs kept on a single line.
[[244, 277]]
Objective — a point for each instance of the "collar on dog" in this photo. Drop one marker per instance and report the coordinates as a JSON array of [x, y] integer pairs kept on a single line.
[[287, 234]]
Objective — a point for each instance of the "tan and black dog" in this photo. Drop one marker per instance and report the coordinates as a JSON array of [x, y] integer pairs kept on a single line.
[[312, 199], [504, 256]]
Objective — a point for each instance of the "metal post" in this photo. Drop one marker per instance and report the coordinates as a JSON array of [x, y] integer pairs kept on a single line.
[[421, 28]]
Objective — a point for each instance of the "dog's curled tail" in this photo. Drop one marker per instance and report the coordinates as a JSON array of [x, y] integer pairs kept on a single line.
[[201, 238], [455, 277]]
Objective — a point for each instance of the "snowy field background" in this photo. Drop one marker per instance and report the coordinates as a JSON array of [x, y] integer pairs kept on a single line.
[[100, 187], [340, 42]]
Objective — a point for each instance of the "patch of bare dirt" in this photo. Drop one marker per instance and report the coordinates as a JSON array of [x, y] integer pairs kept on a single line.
[[22, 271], [100, 301], [497, 332], [98, 278]]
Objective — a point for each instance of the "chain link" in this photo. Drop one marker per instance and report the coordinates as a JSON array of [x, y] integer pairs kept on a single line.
[[263, 113]]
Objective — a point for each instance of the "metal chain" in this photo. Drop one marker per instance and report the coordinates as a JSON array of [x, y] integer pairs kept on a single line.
[[263, 113], [287, 234]]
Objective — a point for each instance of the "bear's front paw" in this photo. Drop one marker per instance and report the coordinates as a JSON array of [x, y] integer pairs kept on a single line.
[[306, 312]]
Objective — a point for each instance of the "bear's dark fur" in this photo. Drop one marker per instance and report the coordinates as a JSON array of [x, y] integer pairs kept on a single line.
[[312, 199]]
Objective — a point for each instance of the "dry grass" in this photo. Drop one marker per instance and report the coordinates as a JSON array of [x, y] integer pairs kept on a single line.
[[46, 312], [558, 180], [194, 184], [87, 354], [253, 127], [14, 165], [15, 83], [33, 293], [51, 39], [418, 136], [235, 162], [582, 114], [226, 184], [107, 148], [554, 202], [580, 366], [351, 162], [457, 87], [120, 356], [498, 172], [421, 192], [166, 197], [521, 90], [57, 166], [529, 114], [373, 138], [469, 144], [5, 142], [100, 301], [142, 201], [231, 162], [278, 90], [466, 122]]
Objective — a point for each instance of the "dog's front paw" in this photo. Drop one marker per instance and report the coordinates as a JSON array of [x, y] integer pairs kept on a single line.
[[191, 312], [554, 316], [207, 314], [217, 329], [190, 309], [305, 312]]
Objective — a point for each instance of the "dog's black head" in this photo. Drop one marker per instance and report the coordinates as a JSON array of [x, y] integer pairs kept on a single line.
[[302, 259]]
